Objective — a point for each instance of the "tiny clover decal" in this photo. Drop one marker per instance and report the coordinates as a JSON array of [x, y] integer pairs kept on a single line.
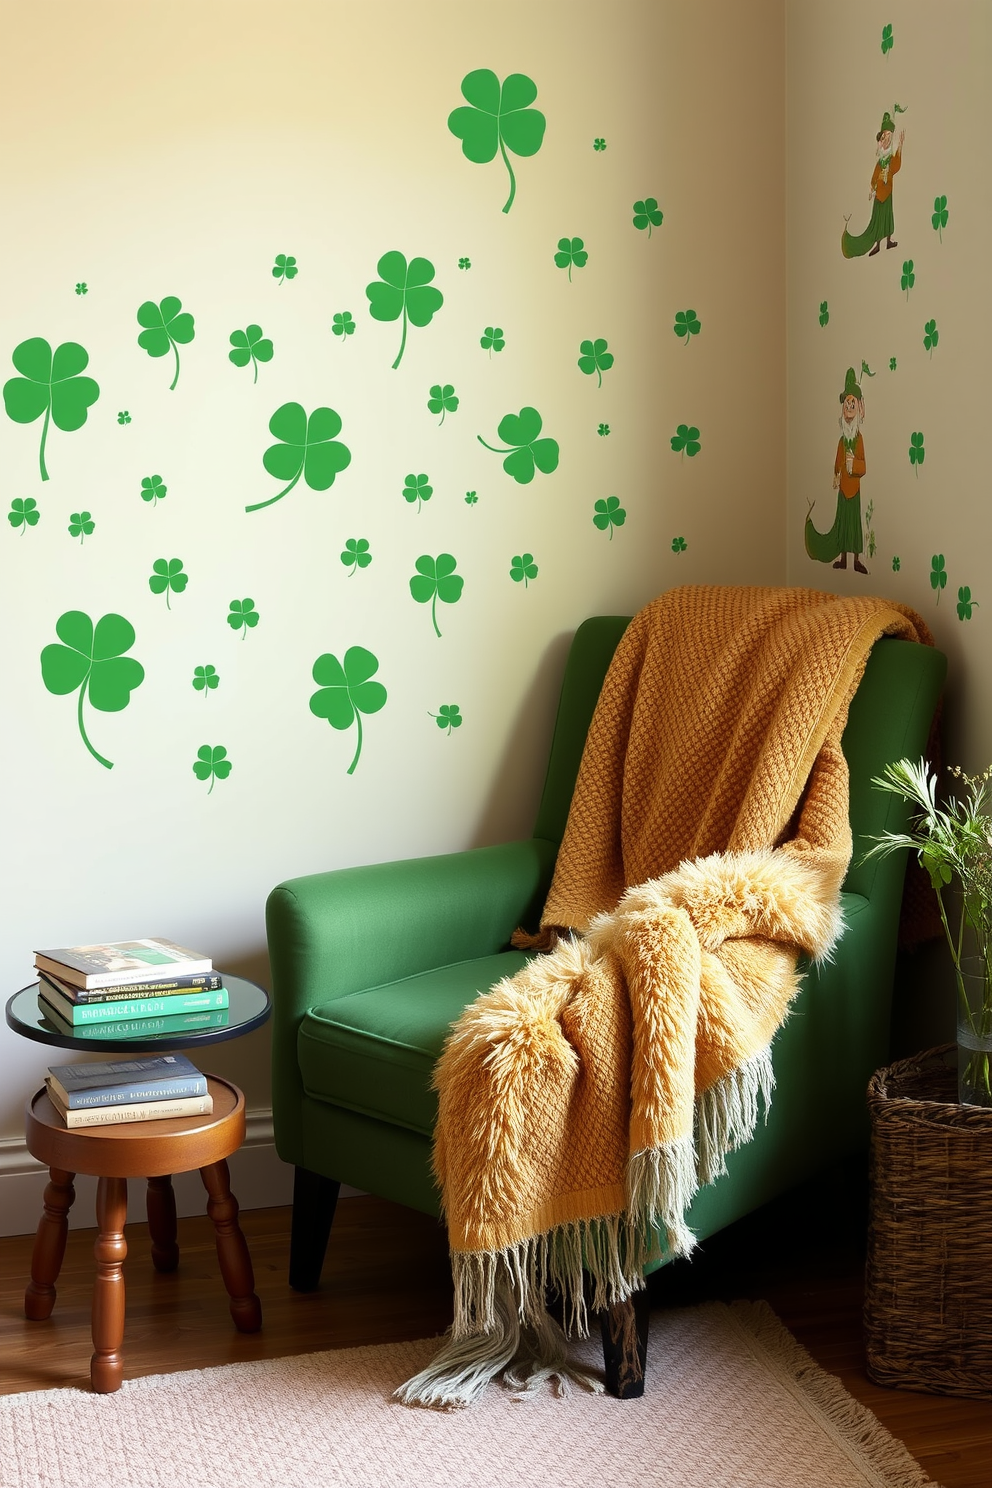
[[346, 691], [284, 268], [442, 400], [81, 525], [343, 325], [51, 384], [679, 544], [609, 514], [448, 717], [525, 452], [435, 580], [824, 313], [91, 658], [403, 290], [306, 447], [168, 578], [416, 489], [965, 603], [892, 364], [499, 117], [492, 339], [939, 219], [603, 430], [887, 41], [599, 144], [523, 567], [205, 679], [594, 357], [471, 498], [242, 615], [464, 263], [356, 555], [153, 489], [686, 440], [687, 325], [82, 288], [647, 214], [917, 452], [908, 277], [571, 251], [165, 325], [930, 336], [896, 563], [123, 417], [250, 345], [23, 513], [212, 764], [938, 574]]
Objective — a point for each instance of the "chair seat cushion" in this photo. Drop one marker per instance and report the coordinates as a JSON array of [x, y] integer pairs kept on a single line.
[[374, 1051]]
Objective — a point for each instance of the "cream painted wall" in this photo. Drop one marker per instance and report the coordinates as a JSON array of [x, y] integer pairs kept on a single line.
[[175, 149]]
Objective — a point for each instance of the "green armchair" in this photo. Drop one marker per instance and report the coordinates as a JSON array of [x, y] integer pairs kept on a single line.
[[371, 966]]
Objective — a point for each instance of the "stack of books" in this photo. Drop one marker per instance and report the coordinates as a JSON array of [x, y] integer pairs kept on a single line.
[[129, 1090], [129, 988]]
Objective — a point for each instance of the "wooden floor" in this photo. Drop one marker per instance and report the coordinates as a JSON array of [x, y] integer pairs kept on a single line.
[[387, 1278]]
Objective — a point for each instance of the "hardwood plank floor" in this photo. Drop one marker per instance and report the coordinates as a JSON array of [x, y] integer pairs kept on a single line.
[[387, 1278]]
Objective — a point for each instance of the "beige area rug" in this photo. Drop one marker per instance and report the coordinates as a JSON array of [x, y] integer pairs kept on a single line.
[[732, 1401]]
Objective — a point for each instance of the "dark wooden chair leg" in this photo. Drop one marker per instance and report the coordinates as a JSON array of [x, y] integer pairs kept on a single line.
[[232, 1248], [49, 1246], [107, 1363], [160, 1201], [625, 1346], [314, 1201]]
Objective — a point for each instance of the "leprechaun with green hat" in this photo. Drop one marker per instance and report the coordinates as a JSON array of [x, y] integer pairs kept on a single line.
[[846, 535], [882, 223]]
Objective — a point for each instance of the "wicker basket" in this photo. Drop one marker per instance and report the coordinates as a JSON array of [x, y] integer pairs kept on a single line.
[[928, 1289]]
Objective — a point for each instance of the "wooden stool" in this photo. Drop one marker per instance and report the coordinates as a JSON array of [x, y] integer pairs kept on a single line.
[[113, 1154]]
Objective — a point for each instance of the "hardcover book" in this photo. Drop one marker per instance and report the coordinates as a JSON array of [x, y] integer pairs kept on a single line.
[[126, 1082], [197, 1105], [81, 1013], [115, 962], [206, 981], [128, 1028]]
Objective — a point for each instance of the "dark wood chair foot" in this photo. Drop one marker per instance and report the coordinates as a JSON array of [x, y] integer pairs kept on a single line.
[[314, 1201], [232, 1248], [625, 1346], [160, 1202], [49, 1246]]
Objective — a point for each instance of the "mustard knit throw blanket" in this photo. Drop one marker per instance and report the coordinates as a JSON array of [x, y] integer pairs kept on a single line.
[[583, 1101]]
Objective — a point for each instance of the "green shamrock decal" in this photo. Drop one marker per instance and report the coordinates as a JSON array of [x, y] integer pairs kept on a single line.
[[49, 384], [405, 290], [908, 277], [892, 364], [965, 603], [917, 453], [24, 513], [152, 489], [442, 400], [92, 659], [896, 563], [343, 325], [435, 580], [205, 679], [522, 566], [686, 440], [688, 325], [930, 336], [647, 214], [165, 325], [938, 574], [470, 498], [525, 452], [356, 555], [416, 489], [492, 339], [886, 40], [594, 357], [571, 251], [284, 268], [448, 716], [306, 447], [123, 417], [499, 117], [82, 289], [243, 615], [346, 692], [599, 144], [679, 544], [603, 430], [168, 578], [464, 263], [609, 514], [250, 346], [212, 764], [824, 313], [81, 525], [939, 218]]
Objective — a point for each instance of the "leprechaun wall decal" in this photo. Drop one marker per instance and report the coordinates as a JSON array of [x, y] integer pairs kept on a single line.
[[846, 535], [882, 222]]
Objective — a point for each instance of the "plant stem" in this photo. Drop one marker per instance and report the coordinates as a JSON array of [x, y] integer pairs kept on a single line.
[[399, 357], [358, 720], [175, 348], [44, 436], [108, 764], [513, 182], [259, 504], [434, 614]]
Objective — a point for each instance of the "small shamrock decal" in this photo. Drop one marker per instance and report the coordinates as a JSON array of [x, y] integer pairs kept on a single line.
[[571, 251], [686, 325], [603, 430], [522, 566], [938, 574], [306, 447], [464, 263], [346, 691], [679, 544], [168, 578], [243, 615], [594, 357], [492, 339], [81, 525], [609, 514], [448, 716], [599, 144], [123, 417], [212, 764], [284, 268], [470, 498], [442, 400], [892, 364], [886, 40], [416, 489], [24, 513], [81, 288], [824, 313], [917, 453], [965, 603], [525, 452], [356, 554], [435, 580], [939, 218], [250, 346], [686, 440], [92, 659], [896, 563], [405, 290], [908, 277], [205, 679], [343, 325], [647, 214], [499, 118], [50, 384], [152, 489], [165, 325], [930, 336]]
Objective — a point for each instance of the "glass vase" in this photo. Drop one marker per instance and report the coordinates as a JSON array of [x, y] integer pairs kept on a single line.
[[974, 1033]]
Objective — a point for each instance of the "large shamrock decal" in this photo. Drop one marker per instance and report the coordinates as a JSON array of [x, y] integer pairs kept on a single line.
[[165, 325], [250, 345], [442, 400], [49, 384], [435, 580], [212, 764], [346, 691], [403, 289], [306, 447], [92, 659], [526, 451], [168, 577], [571, 251], [24, 513], [499, 118], [594, 357]]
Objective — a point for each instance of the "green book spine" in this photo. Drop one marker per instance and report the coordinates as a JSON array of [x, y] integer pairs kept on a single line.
[[141, 1007]]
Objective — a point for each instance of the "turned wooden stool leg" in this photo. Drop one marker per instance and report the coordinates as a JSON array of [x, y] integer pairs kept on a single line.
[[107, 1364], [161, 1205], [49, 1246], [625, 1345], [232, 1248]]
